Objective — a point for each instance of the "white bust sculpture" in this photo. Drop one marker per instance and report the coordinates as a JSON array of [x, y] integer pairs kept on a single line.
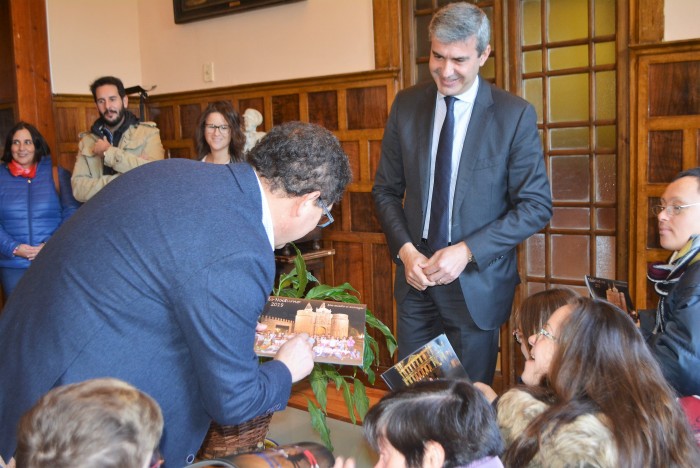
[[252, 119]]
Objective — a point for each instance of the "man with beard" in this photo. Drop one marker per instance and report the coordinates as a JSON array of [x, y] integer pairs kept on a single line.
[[116, 143]]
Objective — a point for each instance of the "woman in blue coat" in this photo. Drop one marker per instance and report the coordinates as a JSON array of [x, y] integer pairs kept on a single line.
[[30, 208]]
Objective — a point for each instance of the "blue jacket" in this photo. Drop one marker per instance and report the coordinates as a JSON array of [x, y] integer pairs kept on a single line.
[[31, 210], [158, 280]]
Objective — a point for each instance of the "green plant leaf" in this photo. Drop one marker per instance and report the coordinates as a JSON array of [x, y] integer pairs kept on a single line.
[[360, 397], [375, 323], [300, 268], [319, 385], [349, 402], [319, 423]]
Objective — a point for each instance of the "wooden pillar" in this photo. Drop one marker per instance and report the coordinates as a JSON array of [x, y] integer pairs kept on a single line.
[[387, 33], [32, 72]]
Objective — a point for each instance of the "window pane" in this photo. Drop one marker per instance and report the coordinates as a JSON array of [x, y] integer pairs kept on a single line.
[[570, 256], [532, 61], [569, 138], [560, 23], [532, 92], [605, 170], [605, 101], [605, 256], [535, 255], [422, 73], [605, 137], [422, 42], [562, 58], [605, 218], [531, 30], [488, 71], [568, 98], [423, 4], [605, 53], [571, 218], [570, 178], [604, 17]]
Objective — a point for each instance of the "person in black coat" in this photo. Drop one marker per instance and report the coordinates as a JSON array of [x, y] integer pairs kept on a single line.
[[674, 330]]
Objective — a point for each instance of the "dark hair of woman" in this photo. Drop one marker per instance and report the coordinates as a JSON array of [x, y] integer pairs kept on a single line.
[[603, 366], [41, 148], [233, 119], [452, 413], [534, 311]]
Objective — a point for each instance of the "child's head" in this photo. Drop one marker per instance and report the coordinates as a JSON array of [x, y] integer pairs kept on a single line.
[[100, 422], [433, 423]]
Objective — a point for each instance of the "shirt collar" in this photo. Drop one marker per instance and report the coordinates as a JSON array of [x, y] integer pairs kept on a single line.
[[266, 215], [467, 96]]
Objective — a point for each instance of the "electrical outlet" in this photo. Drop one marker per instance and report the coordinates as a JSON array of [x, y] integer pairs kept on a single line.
[[208, 72]]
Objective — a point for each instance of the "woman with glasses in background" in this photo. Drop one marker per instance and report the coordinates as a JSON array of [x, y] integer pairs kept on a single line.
[[673, 330], [529, 318], [219, 137], [604, 401]]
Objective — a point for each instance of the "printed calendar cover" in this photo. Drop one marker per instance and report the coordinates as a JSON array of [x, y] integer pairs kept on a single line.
[[336, 328], [435, 360]]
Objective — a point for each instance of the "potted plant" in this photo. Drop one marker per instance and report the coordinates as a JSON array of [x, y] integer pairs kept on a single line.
[[295, 284]]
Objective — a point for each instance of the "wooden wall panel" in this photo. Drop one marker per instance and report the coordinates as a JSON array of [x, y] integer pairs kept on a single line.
[[7, 84], [285, 108], [352, 149], [363, 214], [680, 93], [189, 114], [323, 109], [164, 117], [367, 107]]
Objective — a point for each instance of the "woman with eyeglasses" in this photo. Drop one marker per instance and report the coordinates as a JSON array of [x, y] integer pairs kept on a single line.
[[219, 137], [529, 318], [604, 402], [673, 330]]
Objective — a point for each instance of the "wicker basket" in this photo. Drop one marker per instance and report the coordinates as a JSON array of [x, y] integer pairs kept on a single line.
[[226, 440]]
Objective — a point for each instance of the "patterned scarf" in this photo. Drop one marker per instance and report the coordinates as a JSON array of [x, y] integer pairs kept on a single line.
[[665, 276], [18, 171]]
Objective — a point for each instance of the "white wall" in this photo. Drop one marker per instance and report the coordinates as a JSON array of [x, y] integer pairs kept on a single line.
[[681, 19], [92, 38], [138, 41]]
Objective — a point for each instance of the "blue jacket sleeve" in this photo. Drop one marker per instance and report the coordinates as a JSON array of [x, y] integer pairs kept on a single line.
[[218, 309], [68, 203]]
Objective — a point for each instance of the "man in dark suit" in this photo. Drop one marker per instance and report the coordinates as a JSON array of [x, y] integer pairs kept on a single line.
[[159, 281], [461, 182]]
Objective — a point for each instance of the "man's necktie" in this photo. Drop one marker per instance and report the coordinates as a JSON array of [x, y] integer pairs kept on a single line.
[[440, 206]]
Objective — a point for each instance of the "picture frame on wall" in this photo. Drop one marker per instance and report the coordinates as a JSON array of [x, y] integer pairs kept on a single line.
[[186, 11]]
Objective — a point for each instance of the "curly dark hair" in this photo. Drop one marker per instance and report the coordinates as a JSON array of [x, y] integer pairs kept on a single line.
[[107, 80], [300, 158], [233, 118], [41, 148]]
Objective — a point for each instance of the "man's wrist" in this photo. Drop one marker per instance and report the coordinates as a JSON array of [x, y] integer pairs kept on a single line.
[[14, 251]]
